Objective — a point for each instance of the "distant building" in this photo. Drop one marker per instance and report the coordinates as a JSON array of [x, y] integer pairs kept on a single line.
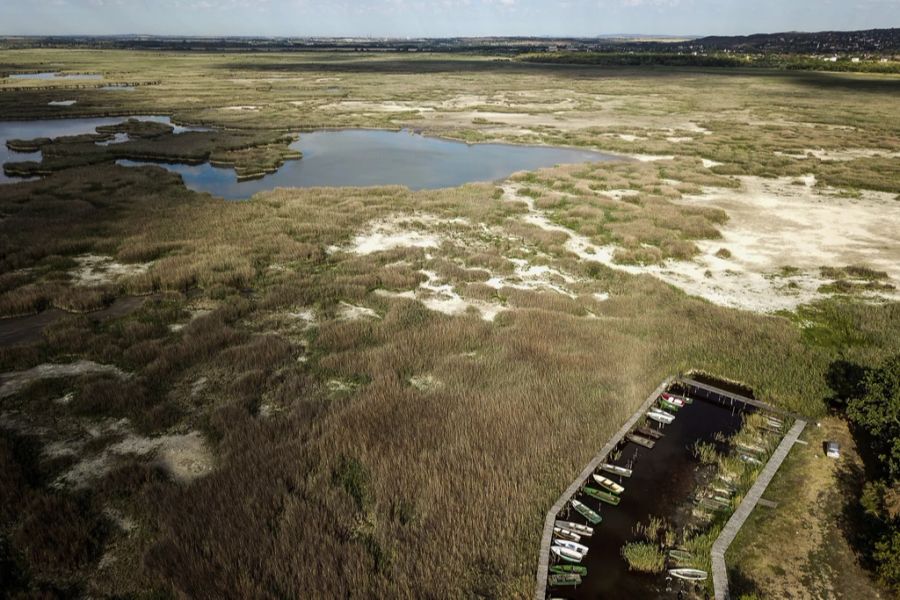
[[832, 450], [854, 59]]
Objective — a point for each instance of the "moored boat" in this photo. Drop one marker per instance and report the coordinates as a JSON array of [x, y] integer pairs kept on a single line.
[[615, 469], [576, 528], [639, 440], [680, 555], [672, 400], [586, 512], [650, 432], [565, 534], [574, 546], [685, 399], [567, 554], [608, 484], [602, 496], [564, 579], [660, 417], [689, 574], [669, 406], [577, 569]]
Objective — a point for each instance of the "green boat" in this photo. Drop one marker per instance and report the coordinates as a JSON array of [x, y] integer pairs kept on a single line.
[[564, 579], [602, 496], [586, 512], [563, 569], [669, 406]]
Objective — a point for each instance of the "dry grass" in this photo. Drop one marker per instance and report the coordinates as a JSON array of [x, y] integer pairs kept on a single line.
[[328, 460]]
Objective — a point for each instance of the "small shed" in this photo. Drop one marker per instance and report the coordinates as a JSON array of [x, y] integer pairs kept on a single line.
[[832, 450]]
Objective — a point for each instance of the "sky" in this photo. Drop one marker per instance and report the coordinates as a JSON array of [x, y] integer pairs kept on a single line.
[[435, 18]]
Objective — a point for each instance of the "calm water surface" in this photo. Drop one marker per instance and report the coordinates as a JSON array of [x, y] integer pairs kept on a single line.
[[372, 157], [52, 128], [55, 75]]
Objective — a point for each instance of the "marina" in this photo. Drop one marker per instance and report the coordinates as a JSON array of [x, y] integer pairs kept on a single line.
[[667, 484]]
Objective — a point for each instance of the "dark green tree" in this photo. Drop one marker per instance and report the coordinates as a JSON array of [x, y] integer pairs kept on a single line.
[[877, 411]]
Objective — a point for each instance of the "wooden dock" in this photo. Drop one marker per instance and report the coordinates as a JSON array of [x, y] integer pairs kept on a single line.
[[709, 392], [720, 572], [540, 591]]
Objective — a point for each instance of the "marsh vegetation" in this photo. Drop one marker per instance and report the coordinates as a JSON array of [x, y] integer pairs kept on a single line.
[[366, 372]]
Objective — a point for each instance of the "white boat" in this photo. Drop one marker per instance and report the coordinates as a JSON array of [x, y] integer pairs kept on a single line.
[[676, 400], [689, 574], [565, 534], [660, 417], [608, 484], [616, 470], [574, 546], [566, 554], [578, 528]]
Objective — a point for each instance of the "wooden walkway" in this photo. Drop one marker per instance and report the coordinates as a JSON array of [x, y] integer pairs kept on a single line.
[[704, 390], [720, 572], [540, 591]]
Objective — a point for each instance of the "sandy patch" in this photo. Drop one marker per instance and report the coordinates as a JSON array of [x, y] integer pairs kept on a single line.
[[402, 232], [709, 164], [843, 155], [652, 157], [379, 107], [98, 270], [443, 298], [15, 382], [425, 383], [247, 108], [534, 278], [774, 224], [184, 457], [679, 139], [350, 312]]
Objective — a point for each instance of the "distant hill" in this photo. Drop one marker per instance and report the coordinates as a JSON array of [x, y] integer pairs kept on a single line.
[[870, 40]]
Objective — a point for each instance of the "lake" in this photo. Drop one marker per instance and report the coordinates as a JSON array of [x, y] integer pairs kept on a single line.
[[358, 157], [55, 75], [52, 128]]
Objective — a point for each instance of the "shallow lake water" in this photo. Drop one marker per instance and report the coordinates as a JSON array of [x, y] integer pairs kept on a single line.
[[55, 75], [663, 481], [52, 128], [358, 157]]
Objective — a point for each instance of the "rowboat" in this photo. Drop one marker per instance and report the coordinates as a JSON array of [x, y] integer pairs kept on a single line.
[[602, 496], [680, 555], [574, 546], [650, 433], [577, 569], [750, 459], [669, 406], [710, 504], [640, 441], [660, 417], [586, 512], [672, 400], [615, 469], [565, 534], [684, 399], [608, 484], [751, 448], [688, 574], [566, 554], [564, 579], [576, 528]]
